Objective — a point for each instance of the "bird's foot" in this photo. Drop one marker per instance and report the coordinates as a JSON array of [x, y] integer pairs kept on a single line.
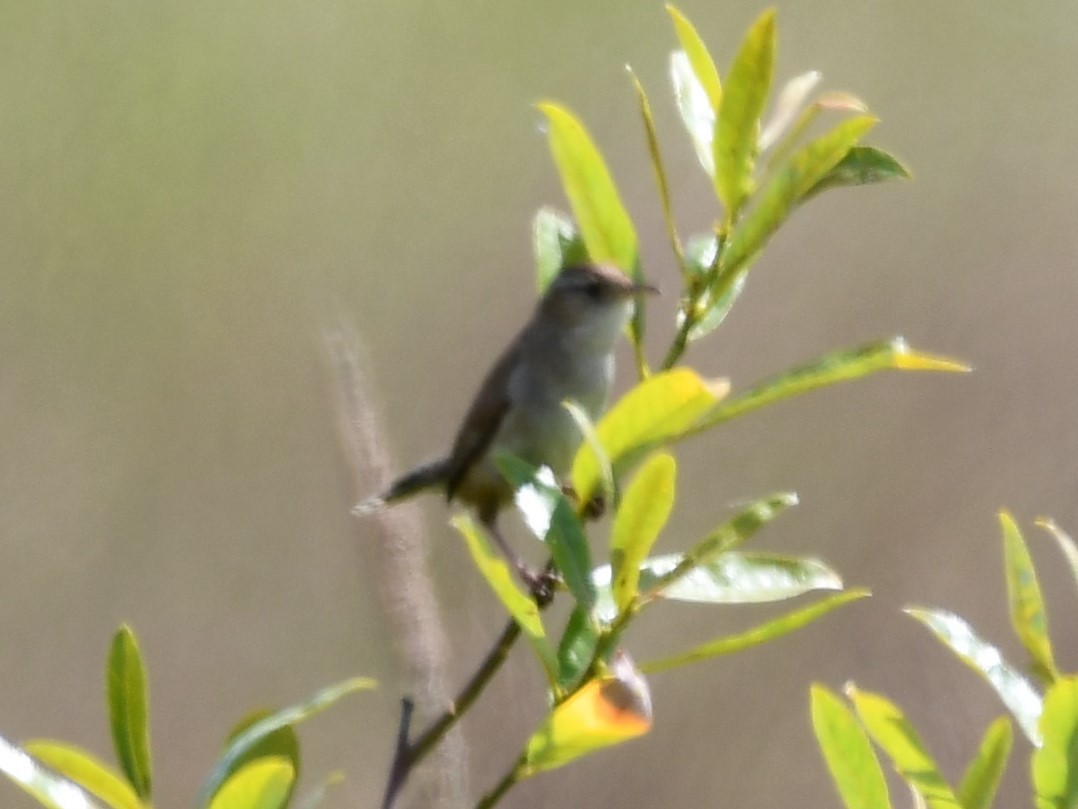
[[591, 510], [541, 583]]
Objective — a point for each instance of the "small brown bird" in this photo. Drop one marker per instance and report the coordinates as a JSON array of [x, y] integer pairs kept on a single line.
[[565, 352]]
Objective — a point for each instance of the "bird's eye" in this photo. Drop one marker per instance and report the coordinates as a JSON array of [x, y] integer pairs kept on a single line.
[[594, 290]]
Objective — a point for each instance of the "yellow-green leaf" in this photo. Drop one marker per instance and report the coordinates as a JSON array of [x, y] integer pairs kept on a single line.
[[603, 712], [839, 366], [255, 734], [737, 127], [979, 784], [1016, 692], [703, 67], [862, 165], [126, 678], [777, 628], [262, 784], [520, 606], [660, 409], [890, 729], [854, 766], [281, 741], [86, 770], [644, 510], [1028, 615], [604, 223], [48, 789], [1055, 764], [792, 180]]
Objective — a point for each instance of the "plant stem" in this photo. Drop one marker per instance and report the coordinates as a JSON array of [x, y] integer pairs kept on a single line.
[[503, 786]]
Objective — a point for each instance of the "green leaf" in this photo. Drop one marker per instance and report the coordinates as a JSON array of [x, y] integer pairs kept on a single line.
[[126, 678], [281, 742], [711, 310], [643, 512], [46, 788], [740, 578], [557, 244], [239, 747], [262, 784], [862, 165], [1066, 545], [792, 181], [696, 111], [777, 628], [1020, 697], [726, 537], [597, 207], [576, 649], [1055, 764], [703, 67], [839, 366], [607, 485], [538, 499], [603, 712], [86, 770], [979, 784], [849, 755], [738, 123], [521, 607], [660, 409], [890, 729], [657, 167], [1028, 615]]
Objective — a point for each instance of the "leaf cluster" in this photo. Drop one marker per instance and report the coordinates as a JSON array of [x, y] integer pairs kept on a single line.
[[848, 730]]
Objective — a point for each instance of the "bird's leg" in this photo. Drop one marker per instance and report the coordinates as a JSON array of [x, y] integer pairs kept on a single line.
[[591, 510], [539, 582]]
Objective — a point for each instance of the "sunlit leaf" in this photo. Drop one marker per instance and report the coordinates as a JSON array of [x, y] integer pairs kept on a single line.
[[777, 628], [607, 485], [740, 578], [890, 729], [979, 784], [521, 607], [659, 409], [839, 366], [251, 737], [696, 111], [726, 537], [657, 166], [1028, 616], [789, 184], [604, 712], [538, 497], [85, 769], [862, 165], [281, 742], [262, 784], [126, 678], [1055, 765], [1020, 697], [738, 123], [1066, 545], [703, 67], [45, 787], [849, 755], [315, 797], [556, 243], [644, 510], [792, 98], [597, 207]]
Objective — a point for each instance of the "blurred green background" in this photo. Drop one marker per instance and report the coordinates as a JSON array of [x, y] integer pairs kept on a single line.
[[192, 193]]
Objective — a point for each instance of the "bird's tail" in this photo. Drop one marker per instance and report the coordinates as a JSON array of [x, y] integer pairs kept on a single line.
[[423, 477]]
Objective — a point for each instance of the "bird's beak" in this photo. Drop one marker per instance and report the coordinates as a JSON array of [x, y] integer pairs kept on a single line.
[[644, 289]]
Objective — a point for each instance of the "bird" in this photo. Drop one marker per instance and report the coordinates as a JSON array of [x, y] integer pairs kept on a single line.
[[564, 352]]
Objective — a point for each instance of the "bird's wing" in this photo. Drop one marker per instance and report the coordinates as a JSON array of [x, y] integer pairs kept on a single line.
[[482, 420]]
